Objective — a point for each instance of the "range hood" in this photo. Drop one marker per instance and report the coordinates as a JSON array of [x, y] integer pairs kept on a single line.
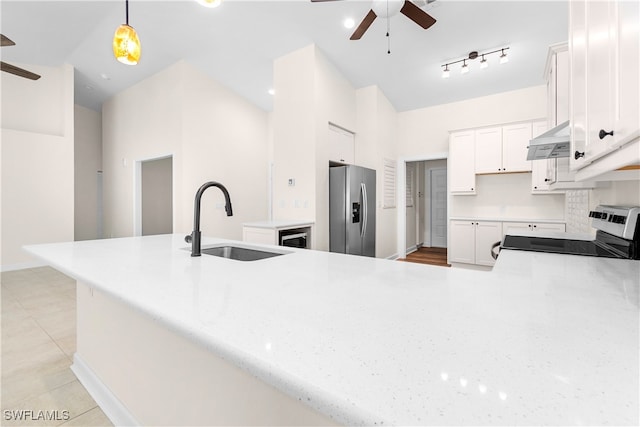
[[551, 144]]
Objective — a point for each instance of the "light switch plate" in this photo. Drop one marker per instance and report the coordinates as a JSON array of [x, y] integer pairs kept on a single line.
[[292, 182]]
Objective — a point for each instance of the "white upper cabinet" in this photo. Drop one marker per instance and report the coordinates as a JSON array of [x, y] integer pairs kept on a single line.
[[488, 150], [515, 141], [462, 178], [604, 41], [341, 145], [578, 81], [503, 149], [626, 118], [543, 172]]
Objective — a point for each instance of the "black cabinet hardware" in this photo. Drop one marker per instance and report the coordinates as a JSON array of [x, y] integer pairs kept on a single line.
[[603, 133]]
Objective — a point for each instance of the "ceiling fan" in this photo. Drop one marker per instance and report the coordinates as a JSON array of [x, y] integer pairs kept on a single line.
[[6, 41], [388, 8]]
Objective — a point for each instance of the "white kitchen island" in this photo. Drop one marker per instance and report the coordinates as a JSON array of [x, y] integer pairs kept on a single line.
[[316, 337]]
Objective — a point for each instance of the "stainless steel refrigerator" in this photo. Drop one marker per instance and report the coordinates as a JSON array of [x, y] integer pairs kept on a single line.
[[352, 210]]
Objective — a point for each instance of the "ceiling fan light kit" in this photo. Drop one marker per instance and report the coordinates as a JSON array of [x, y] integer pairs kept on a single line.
[[12, 69], [126, 44], [388, 8], [473, 55]]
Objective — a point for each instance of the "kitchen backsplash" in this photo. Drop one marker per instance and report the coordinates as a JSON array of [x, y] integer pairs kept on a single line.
[[577, 211]]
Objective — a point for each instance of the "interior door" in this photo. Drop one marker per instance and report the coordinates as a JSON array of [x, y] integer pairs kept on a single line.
[[438, 212]]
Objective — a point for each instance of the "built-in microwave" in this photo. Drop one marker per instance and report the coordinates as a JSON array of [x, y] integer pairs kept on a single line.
[[295, 239]]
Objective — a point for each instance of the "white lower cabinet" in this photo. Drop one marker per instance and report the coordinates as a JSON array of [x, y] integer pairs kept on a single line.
[[471, 241], [533, 226], [265, 236]]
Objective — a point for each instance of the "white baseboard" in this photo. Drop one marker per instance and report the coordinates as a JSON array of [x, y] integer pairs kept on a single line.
[[117, 413], [412, 249], [392, 257], [21, 265]]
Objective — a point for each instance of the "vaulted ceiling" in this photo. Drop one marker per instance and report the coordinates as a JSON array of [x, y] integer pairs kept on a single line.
[[237, 42]]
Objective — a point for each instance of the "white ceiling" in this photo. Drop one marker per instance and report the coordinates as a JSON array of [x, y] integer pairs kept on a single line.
[[237, 42]]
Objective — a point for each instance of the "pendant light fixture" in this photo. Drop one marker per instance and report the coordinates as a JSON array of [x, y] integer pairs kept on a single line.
[[210, 3], [126, 45]]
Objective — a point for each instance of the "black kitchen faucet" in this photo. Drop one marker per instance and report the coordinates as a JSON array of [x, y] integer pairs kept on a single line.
[[194, 237]]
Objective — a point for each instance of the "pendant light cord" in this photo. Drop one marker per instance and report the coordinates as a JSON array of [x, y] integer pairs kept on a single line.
[[126, 5], [388, 30]]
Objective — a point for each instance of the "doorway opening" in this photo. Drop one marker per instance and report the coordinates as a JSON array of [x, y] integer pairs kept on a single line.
[[153, 208], [422, 204]]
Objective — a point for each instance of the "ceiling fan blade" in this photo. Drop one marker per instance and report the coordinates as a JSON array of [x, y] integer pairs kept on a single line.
[[18, 71], [417, 15], [6, 41], [364, 25]]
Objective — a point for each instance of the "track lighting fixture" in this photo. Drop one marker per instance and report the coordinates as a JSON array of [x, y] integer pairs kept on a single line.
[[445, 72], [465, 67], [483, 62], [473, 55], [126, 44], [503, 57]]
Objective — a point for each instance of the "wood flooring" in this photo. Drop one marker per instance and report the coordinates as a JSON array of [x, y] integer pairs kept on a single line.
[[433, 256]]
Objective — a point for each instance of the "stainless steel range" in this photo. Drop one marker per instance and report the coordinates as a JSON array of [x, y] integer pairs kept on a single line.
[[617, 236]]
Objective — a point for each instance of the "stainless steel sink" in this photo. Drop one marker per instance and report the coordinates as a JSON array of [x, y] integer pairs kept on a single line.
[[240, 253]]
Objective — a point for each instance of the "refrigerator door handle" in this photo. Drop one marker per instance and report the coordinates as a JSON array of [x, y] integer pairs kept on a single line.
[[363, 229]]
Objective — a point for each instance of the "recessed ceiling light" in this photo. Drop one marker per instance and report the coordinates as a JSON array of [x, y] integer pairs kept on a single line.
[[349, 23], [272, 91]]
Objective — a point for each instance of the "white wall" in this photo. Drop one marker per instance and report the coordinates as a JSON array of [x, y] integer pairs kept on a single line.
[[294, 135], [625, 193], [87, 163], [37, 162], [426, 131], [310, 93], [212, 134], [376, 138]]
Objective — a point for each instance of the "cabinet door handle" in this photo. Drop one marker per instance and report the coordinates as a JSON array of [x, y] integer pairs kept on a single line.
[[603, 133], [547, 180], [578, 154]]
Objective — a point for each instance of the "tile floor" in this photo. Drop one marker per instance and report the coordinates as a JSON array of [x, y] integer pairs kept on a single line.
[[38, 341]]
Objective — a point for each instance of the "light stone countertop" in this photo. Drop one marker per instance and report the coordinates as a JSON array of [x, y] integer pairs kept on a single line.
[[542, 339]]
